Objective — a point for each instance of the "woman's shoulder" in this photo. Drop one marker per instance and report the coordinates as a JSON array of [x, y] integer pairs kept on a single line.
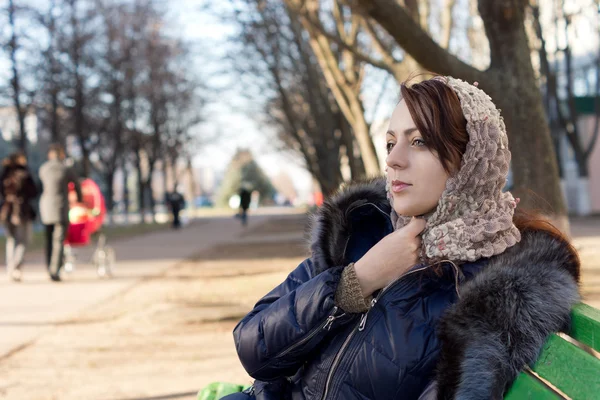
[[519, 298], [538, 252], [349, 222]]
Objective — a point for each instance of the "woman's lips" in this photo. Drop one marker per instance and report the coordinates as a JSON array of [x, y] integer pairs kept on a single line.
[[398, 186]]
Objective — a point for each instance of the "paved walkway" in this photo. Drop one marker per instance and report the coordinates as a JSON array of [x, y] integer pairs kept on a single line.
[[35, 304]]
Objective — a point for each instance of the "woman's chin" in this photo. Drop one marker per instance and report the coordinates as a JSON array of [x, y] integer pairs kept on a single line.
[[408, 211]]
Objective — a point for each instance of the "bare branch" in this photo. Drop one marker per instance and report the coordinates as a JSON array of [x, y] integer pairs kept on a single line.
[[414, 40], [387, 64]]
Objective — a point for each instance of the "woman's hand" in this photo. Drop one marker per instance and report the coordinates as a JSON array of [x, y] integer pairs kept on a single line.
[[390, 258]]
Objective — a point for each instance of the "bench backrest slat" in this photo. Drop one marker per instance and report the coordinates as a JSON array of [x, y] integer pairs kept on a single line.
[[569, 368], [585, 325], [527, 386]]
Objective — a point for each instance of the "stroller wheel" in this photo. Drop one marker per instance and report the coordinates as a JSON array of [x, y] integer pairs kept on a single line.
[[69, 267], [103, 260], [69, 260]]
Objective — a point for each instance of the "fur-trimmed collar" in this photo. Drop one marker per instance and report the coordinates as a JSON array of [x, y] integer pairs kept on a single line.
[[504, 314], [332, 224]]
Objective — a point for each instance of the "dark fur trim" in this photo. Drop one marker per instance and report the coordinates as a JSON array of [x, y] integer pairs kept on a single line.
[[503, 317], [330, 225]]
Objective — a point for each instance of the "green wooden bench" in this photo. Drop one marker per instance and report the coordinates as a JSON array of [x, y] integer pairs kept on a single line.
[[216, 390], [563, 370]]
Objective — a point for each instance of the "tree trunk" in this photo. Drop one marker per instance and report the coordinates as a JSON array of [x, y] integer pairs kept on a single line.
[[15, 81], [141, 187], [512, 84], [165, 173], [357, 167], [109, 179], [125, 197], [345, 91], [54, 71], [151, 200], [148, 186]]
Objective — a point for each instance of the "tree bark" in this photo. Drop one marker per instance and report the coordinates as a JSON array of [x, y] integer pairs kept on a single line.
[[16, 81], [79, 107], [125, 197], [109, 179], [140, 184], [357, 167]]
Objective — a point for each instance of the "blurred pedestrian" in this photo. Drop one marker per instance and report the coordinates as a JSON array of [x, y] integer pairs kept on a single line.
[[54, 206], [18, 190], [176, 204], [245, 197]]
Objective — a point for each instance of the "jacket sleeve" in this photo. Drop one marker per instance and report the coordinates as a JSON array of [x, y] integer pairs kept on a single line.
[[273, 340]]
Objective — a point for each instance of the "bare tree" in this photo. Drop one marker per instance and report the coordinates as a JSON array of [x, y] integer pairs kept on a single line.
[[52, 80], [21, 97], [77, 50], [562, 110], [342, 69], [298, 103], [111, 143]]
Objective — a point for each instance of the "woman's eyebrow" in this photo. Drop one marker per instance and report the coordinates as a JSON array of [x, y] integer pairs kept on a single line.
[[391, 132], [410, 130]]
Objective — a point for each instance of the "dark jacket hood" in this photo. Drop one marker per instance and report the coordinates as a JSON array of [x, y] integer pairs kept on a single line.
[[342, 218], [503, 315]]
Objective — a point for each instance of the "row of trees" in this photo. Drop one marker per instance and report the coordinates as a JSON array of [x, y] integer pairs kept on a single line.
[[310, 59], [108, 78]]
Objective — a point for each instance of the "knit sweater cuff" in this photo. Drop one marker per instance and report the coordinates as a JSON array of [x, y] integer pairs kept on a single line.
[[348, 295]]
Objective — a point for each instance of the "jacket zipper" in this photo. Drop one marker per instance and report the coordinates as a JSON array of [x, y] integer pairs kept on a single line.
[[325, 324], [361, 327]]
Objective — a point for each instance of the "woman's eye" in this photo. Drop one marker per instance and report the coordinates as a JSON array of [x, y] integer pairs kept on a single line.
[[417, 142], [389, 147]]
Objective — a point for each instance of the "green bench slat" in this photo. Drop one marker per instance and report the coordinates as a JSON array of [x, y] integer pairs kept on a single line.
[[216, 390], [571, 369], [527, 387], [585, 325]]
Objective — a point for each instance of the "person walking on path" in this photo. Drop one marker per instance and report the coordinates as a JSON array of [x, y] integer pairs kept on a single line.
[[245, 198], [176, 203], [54, 206], [17, 189]]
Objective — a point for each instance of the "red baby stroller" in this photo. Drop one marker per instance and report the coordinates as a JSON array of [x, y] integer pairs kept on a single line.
[[85, 219]]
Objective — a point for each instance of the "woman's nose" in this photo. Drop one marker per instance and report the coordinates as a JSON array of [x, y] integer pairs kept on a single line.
[[397, 158]]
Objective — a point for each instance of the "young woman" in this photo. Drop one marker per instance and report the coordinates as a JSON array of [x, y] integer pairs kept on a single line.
[[428, 286], [17, 191]]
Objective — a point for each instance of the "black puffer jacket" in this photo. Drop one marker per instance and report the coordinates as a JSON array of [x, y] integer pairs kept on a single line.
[[17, 191], [470, 329]]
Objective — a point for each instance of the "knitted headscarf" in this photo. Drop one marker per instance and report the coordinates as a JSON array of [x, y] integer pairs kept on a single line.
[[473, 218]]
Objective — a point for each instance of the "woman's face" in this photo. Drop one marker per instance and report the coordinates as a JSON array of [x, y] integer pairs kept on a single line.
[[417, 178]]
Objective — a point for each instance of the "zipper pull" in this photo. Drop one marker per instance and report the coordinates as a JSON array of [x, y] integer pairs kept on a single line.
[[330, 321], [363, 318]]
